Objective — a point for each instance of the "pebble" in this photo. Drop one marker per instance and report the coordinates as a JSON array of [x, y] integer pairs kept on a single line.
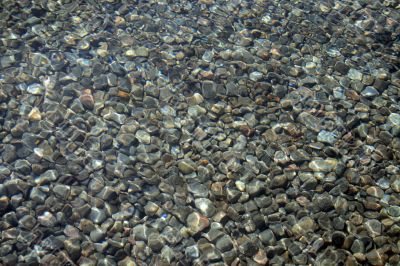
[[355, 74], [327, 137], [394, 119], [326, 165], [143, 136], [35, 89], [369, 91], [197, 223], [187, 166]]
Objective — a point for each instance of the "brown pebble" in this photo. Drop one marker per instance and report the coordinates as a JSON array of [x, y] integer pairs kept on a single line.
[[123, 94], [246, 130], [87, 99], [206, 2]]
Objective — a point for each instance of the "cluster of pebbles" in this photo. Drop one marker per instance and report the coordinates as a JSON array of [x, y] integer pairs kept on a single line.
[[203, 132]]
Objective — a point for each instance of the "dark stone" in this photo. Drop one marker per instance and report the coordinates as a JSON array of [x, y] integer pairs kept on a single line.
[[342, 68]]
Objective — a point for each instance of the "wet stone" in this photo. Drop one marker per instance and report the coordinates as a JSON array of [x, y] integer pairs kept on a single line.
[[206, 207], [208, 89], [342, 68], [186, 166], [196, 222], [327, 137], [97, 215], [326, 165], [369, 91], [199, 133]]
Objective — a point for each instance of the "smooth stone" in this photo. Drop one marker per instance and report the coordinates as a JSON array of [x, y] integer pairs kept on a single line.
[[224, 243], [35, 114], [155, 242], [358, 246], [205, 206], [376, 258], [9, 153], [35, 89], [73, 247], [376, 192], [47, 177], [197, 223], [143, 137], [278, 181], [394, 211], [192, 252], [127, 261], [23, 166], [97, 215], [305, 224], [27, 222], [322, 165], [267, 237], [37, 195], [141, 232], [327, 137], [374, 227], [394, 119], [255, 76], [370, 91], [97, 234], [126, 139], [209, 89], [47, 219], [186, 166], [138, 52], [342, 68], [355, 74]]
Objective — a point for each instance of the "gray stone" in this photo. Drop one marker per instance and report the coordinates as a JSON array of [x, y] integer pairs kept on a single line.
[[267, 237], [97, 215], [394, 119], [374, 227], [342, 68], [143, 136], [9, 153], [370, 91], [224, 243], [187, 166], [97, 234], [278, 181], [327, 137], [355, 74], [209, 89], [205, 206]]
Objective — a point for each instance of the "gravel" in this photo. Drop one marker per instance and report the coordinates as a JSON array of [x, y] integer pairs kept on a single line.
[[199, 132]]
